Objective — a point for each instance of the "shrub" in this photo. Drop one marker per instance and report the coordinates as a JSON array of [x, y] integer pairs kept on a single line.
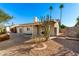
[[4, 37]]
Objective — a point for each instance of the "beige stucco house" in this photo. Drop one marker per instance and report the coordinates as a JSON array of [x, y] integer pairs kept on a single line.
[[31, 28]]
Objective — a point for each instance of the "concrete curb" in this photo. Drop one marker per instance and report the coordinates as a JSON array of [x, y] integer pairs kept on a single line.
[[65, 38]]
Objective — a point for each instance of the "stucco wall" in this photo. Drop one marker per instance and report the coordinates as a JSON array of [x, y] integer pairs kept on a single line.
[[24, 30], [33, 29], [57, 28], [51, 30]]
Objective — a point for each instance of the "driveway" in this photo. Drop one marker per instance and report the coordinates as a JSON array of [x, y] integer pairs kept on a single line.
[[15, 39], [70, 44]]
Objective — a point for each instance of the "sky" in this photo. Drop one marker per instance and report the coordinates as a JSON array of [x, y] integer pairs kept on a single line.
[[25, 12]]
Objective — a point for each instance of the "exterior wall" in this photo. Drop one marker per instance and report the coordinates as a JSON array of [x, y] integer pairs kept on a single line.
[[24, 30], [28, 31], [8, 29], [35, 30], [54, 29], [57, 28], [18, 28]]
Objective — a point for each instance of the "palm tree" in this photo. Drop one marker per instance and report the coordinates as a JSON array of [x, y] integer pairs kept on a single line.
[[50, 8], [61, 6]]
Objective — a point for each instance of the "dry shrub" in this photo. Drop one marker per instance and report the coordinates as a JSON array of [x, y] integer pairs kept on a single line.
[[4, 37]]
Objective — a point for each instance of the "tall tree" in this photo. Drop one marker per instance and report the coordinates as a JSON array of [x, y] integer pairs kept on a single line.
[[61, 7], [50, 8], [4, 17]]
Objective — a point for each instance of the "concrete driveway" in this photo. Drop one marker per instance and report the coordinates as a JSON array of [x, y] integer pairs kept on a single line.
[[15, 39], [70, 44]]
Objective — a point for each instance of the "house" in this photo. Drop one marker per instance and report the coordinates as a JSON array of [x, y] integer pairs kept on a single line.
[[31, 28]]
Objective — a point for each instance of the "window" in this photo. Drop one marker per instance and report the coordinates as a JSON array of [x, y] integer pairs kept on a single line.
[[28, 29]]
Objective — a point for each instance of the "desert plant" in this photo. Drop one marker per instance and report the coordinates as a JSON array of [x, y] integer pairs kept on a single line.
[[47, 31]]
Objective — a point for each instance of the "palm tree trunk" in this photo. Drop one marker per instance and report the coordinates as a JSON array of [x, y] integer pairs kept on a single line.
[[60, 20], [50, 15], [60, 16]]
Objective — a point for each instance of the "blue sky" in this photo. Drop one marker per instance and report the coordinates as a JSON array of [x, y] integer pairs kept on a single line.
[[25, 12]]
